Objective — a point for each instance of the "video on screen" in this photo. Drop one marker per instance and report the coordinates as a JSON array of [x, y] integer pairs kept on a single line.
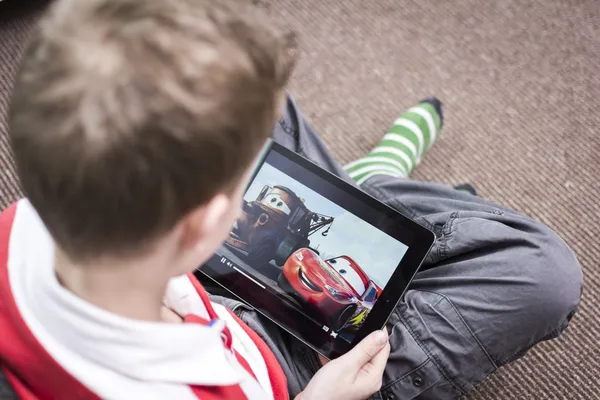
[[319, 258]]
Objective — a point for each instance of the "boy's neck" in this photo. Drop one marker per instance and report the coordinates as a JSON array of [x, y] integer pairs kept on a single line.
[[132, 289]]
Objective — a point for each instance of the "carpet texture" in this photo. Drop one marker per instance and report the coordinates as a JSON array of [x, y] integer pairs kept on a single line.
[[521, 89]]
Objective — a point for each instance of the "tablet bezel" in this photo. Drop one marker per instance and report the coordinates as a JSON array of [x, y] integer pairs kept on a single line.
[[418, 239]]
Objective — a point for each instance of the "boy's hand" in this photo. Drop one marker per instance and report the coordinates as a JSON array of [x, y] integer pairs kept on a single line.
[[354, 376]]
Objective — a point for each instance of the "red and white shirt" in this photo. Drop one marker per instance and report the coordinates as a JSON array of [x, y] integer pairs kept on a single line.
[[55, 345]]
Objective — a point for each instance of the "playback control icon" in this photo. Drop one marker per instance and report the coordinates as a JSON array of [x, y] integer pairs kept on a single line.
[[333, 334]]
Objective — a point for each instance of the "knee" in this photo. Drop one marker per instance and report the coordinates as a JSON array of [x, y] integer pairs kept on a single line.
[[545, 296], [555, 285]]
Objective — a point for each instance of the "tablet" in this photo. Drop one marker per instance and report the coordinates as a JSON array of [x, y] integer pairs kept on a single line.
[[315, 254]]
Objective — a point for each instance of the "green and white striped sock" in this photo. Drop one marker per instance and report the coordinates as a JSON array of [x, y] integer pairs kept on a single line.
[[403, 146]]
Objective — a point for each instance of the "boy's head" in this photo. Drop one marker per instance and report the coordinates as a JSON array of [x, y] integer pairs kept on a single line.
[[133, 118]]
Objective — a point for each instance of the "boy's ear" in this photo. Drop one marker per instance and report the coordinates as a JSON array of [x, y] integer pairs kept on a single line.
[[204, 223]]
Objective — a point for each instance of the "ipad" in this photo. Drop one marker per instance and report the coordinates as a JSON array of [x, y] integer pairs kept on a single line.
[[315, 254]]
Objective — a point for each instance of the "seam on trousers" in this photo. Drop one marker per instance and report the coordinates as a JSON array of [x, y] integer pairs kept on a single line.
[[437, 302], [396, 204], [444, 254], [473, 334], [288, 129], [405, 375], [573, 311], [446, 232], [440, 367], [444, 297], [521, 352], [551, 335], [402, 208], [294, 129], [294, 134], [384, 198]]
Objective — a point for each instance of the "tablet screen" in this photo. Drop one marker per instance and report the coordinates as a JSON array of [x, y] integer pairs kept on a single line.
[[309, 253]]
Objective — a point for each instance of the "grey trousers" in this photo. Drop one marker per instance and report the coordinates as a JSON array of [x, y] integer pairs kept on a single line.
[[495, 283]]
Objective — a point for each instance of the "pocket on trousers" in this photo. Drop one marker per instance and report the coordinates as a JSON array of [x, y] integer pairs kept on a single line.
[[440, 330], [409, 371]]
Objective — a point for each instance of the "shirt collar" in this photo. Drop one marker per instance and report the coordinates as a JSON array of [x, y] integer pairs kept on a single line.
[[188, 353]]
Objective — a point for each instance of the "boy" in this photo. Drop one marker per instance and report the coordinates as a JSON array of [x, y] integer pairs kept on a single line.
[[134, 124]]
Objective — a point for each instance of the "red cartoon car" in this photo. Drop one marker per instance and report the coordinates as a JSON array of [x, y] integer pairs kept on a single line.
[[339, 290]]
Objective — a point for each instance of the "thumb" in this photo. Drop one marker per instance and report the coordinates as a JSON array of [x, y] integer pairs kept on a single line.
[[368, 348]]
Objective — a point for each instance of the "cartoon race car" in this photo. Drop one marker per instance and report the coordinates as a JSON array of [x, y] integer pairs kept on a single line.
[[275, 225], [337, 288]]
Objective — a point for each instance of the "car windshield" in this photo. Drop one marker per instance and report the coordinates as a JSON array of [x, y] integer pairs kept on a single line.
[[345, 268], [371, 295], [327, 268]]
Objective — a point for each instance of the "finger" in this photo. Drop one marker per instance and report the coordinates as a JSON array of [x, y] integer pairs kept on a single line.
[[379, 362], [371, 375], [368, 348]]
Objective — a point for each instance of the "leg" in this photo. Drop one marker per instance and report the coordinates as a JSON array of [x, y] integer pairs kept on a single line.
[[495, 284], [295, 133], [403, 146], [401, 149]]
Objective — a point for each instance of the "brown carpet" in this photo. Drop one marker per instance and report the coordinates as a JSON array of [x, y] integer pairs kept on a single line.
[[521, 87]]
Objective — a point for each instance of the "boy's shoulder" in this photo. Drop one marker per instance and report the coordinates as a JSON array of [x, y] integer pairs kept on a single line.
[[31, 368], [23, 358]]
